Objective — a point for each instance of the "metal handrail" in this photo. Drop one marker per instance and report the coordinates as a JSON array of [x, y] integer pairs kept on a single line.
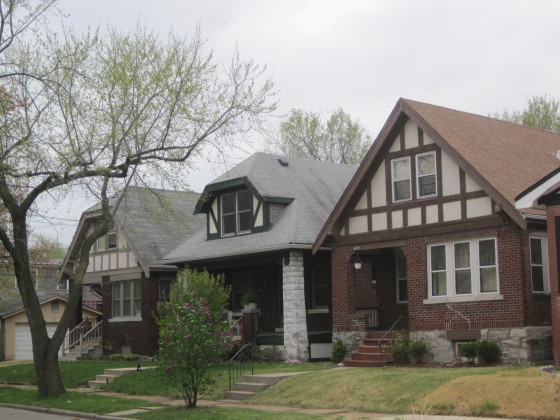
[[236, 369], [385, 335], [234, 325]]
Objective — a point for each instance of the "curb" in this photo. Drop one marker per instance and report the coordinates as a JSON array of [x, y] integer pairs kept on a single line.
[[61, 412]]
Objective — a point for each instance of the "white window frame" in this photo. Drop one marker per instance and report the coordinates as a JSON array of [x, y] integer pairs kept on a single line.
[[399, 278], [236, 212], [106, 239], [133, 285], [450, 270], [393, 179], [66, 286], [418, 176], [545, 264]]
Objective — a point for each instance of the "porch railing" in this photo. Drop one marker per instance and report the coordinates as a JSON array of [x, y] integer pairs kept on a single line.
[[89, 330], [271, 322], [372, 315]]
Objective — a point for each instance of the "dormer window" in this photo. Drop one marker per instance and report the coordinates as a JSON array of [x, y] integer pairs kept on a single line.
[[236, 213]]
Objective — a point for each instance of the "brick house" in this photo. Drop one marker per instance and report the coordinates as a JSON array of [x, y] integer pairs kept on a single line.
[[544, 195], [445, 254], [124, 265], [262, 218]]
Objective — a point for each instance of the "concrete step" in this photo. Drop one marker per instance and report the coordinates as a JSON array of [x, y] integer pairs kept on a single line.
[[262, 379], [110, 374], [238, 395], [249, 387]]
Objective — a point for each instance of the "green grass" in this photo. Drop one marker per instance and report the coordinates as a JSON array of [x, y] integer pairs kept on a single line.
[[147, 382], [218, 413], [74, 374], [386, 390], [76, 401]]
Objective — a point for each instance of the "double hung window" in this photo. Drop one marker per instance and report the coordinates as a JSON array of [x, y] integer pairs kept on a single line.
[[126, 298], [463, 268], [402, 294], [425, 174], [539, 264], [320, 295], [236, 213]]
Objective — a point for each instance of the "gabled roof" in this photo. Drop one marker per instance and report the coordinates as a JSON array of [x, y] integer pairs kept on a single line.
[[309, 188], [502, 157], [155, 221]]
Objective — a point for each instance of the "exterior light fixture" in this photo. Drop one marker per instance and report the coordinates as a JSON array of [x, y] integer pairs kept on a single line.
[[357, 262]]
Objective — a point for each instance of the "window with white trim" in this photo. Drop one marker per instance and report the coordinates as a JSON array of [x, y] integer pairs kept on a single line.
[[540, 278], [236, 213], [463, 268], [63, 284], [126, 299], [400, 173], [425, 176], [426, 183], [400, 275]]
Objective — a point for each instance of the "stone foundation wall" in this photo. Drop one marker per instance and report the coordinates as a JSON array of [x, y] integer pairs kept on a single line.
[[520, 346], [350, 339]]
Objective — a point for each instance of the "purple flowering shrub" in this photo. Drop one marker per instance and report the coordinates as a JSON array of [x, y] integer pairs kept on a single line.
[[192, 339]]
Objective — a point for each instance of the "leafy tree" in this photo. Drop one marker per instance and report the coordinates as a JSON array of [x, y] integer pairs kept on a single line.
[[192, 339], [334, 138], [541, 112], [101, 112], [210, 287]]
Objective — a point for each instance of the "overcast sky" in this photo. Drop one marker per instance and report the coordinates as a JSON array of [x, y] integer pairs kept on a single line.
[[475, 56]]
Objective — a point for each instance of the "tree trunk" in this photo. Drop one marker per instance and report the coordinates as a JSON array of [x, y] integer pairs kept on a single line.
[[49, 380]]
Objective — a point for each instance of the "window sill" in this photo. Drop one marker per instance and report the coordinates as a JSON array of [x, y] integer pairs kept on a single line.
[[540, 296], [126, 319], [454, 299], [318, 311]]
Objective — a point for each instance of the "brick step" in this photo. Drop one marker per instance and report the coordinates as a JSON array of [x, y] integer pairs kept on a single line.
[[369, 349], [376, 342], [362, 363], [379, 334], [367, 356]]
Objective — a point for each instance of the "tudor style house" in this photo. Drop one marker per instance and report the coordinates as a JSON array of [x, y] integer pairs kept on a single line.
[[445, 254], [262, 218], [124, 265]]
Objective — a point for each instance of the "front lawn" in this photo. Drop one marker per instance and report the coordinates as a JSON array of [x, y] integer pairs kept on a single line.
[[71, 400], [147, 382], [74, 374], [491, 391]]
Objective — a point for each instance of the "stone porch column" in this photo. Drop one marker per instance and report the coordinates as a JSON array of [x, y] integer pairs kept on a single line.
[[296, 342]]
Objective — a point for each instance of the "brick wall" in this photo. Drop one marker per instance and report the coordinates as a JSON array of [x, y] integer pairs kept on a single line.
[[552, 212], [142, 335], [343, 288], [506, 313]]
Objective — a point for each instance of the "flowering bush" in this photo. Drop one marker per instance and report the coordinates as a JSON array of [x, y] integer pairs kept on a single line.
[[192, 338]]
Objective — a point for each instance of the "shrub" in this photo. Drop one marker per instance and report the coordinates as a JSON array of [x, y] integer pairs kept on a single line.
[[129, 357], [406, 351], [417, 350], [470, 351], [399, 349], [489, 352], [271, 354], [338, 351], [192, 339]]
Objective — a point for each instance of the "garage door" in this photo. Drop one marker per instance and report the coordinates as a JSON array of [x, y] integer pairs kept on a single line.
[[24, 350]]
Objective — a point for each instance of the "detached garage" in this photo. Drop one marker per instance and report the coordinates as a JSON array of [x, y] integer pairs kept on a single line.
[[16, 332]]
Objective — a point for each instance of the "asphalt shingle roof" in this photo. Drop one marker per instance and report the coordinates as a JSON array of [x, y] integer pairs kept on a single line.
[[314, 186]]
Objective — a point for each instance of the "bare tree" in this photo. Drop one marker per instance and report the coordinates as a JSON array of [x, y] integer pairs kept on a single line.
[[335, 137], [102, 111]]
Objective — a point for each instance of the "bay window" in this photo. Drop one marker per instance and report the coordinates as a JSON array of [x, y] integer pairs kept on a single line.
[[463, 268]]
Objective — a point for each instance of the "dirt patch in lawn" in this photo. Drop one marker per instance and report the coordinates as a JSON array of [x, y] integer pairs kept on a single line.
[[496, 395]]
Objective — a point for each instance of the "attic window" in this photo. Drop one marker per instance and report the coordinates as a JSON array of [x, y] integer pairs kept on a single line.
[[236, 213]]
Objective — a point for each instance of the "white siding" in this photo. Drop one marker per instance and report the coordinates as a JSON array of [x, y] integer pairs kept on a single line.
[[478, 207], [450, 175], [357, 224], [378, 188], [379, 221], [451, 211]]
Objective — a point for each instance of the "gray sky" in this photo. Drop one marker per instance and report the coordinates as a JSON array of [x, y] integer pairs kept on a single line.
[[475, 56]]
